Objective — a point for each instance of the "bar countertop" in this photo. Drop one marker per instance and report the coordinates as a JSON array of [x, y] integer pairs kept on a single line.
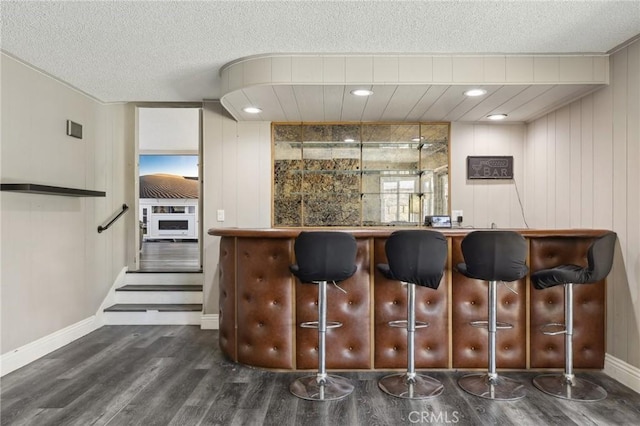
[[383, 231]]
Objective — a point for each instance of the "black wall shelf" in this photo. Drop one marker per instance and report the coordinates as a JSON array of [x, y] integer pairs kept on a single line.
[[33, 188]]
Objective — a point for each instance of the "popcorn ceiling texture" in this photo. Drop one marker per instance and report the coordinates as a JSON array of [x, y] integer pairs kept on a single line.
[[173, 50]]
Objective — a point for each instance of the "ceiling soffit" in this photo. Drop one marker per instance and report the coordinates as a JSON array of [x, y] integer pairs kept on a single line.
[[407, 87]]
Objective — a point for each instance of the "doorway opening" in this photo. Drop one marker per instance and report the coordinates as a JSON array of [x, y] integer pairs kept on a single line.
[[169, 202]]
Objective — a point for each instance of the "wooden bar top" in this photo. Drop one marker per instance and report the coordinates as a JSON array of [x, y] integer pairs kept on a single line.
[[387, 230]]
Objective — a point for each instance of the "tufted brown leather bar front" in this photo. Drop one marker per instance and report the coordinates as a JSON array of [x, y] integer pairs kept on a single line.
[[431, 349], [262, 305], [547, 306], [348, 346], [470, 303], [264, 302], [227, 279]]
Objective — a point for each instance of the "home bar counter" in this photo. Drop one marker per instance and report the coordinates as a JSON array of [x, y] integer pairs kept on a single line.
[[262, 303]]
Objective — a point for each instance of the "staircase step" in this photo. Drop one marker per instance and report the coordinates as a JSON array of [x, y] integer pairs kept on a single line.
[[153, 314], [162, 278], [159, 307], [160, 287], [151, 295], [180, 271], [157, 298]]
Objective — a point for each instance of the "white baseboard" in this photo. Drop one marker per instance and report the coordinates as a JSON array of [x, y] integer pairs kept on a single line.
[[23, 355], [623, 372], [152, 318], [209, 322]]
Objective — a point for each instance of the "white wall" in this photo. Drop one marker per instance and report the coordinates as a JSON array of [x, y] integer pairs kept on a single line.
[[169, 130], [487, 201], [56, 268], [582, 171], [236, 179]]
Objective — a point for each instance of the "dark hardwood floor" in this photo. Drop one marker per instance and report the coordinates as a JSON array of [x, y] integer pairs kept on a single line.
[[176, 375], [169, 256]]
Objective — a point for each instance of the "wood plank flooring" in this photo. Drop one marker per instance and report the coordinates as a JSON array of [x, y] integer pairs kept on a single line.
[[163, 256], [176, 375]]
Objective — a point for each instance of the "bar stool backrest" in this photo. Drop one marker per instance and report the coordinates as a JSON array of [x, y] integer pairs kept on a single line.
[[600, 257], [495, 255], [417, 256], [324, 256]]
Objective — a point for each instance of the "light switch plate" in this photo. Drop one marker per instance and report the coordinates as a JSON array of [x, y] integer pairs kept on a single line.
[[220, 215]]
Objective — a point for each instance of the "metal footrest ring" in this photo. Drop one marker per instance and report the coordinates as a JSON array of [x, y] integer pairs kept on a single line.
[[563, 329], [403, 324], [314, 324], [485, 324]]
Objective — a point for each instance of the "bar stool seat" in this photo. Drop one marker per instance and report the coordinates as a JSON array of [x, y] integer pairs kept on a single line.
[[600, 261], [321, 257], [493, 256], [416, 257]]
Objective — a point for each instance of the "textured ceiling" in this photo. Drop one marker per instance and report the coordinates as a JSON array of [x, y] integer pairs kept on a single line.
[[173, 50]]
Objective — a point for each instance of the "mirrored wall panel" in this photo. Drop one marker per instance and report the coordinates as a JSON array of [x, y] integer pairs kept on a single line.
[[359, 174]]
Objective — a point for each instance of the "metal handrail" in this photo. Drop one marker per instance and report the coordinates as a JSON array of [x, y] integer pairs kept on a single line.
[[104, 228]]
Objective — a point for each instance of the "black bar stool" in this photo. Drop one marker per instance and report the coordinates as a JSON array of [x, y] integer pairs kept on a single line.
[[493, 256], [600, 260], [416, 257], [321, 257]]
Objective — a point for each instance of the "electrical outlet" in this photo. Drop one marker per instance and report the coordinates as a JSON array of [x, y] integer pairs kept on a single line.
[[220, 215]]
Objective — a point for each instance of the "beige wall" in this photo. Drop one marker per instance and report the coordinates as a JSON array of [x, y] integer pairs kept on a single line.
[[56, 269], [237, 179], [582, 170]]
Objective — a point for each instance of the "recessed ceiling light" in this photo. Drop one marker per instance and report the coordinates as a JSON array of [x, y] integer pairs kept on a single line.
[[252, 110], [349, 140], [475, 92], [362, 92], [497, 116]]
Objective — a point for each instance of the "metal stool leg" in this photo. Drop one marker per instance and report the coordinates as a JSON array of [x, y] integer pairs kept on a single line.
[[566, 385], [321, 386], [489, 385], [411, 385]]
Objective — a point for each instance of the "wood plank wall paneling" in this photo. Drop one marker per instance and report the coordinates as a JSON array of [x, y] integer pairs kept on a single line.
[[619, 301], [487, 201], [582, 171], [237, 179], [575, 164], [586, 189], [633, 189]]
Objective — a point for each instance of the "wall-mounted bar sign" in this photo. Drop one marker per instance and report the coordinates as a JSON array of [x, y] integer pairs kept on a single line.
[[490, 167]]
